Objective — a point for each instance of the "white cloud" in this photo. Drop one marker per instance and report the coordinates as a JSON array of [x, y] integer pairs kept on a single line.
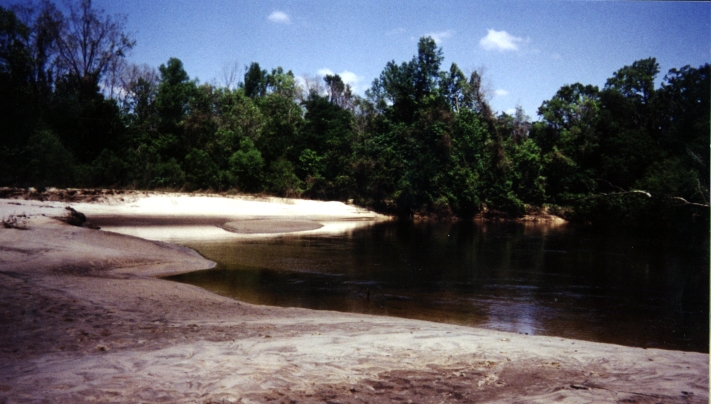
[[501, 41], [348, 77], [279, 17], [511, 111], [300, 81], [501, 92], [440, 36]]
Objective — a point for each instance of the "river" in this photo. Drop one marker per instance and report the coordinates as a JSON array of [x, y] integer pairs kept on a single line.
[[535, 279]]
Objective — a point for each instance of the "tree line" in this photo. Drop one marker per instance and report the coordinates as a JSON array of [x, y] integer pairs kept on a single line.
[[423, 139]]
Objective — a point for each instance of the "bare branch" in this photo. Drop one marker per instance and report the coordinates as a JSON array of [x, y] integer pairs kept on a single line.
[[89, 42], [230, 74], [633, 191], [311, 84], [702, 205], [611, 184], [645, 193]]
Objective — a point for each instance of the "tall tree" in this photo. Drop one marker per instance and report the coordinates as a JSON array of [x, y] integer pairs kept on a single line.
[[282, 83], [339, 93], [44, 22], [521, 124], [324, 147], [137, 96], [17, 114], [635, 82], [479, 95], [402, 89], [425, 147], [683, 108], [89, 41], [16, 71], [174, 92], [568, 137], [456, 89], [629, 123], [88, 44], [255, 81], [426, 68]]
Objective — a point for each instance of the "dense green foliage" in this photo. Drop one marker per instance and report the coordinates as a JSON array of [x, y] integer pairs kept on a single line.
[[422, 141]]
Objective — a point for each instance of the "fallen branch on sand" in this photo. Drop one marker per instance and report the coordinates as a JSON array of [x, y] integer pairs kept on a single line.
[[18, 222]]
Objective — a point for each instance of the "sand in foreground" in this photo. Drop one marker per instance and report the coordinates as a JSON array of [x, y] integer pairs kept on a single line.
[[83, 319]]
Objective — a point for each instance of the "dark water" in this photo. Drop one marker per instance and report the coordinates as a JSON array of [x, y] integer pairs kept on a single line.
[[541, 280]]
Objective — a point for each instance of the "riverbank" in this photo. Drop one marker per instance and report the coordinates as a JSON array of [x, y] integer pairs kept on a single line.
[[88, 321]]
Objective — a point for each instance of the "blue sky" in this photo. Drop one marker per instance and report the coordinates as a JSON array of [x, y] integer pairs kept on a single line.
[[529, 48]]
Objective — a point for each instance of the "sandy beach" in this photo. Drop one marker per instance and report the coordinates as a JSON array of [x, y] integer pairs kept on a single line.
[[84, 317]]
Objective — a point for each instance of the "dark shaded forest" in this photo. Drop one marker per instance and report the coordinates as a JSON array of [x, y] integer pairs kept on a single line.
[[422, 141]]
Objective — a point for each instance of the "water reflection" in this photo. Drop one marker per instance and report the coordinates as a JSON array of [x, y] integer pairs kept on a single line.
[[533, 279]]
